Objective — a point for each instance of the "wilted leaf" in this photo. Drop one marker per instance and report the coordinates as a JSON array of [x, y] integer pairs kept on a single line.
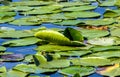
[[83, 71]]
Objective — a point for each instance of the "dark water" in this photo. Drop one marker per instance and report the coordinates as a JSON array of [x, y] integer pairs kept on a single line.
[[30, 49]]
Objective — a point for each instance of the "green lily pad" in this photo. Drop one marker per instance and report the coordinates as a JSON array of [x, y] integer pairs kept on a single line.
[[73, 34], [82, 14], [14, 73], [117, 3], [68, 4], [74, 53], [101, 41], [30, 3], [33, 20], [108, 3], [3, 69], [91, 61], [21, 42], [3, 14], [115, 32], [2, 48], [31, 68], [55, 48], [22, 8], [79, 8], [104, 48], [16, 34], [106, 54], [5, 8], [90, 34], [6, 19], [69, 22], [55, 64], [100, 22], [83, 71]]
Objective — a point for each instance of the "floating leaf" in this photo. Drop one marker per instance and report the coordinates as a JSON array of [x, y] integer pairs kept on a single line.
[[21, 42], [74, 53], [2, 48], [5, 8], [73, 34], [14, 73], [90, 34], [22, 8], [91, 61], [101, 41], [111, 71], [3, 14], [108, 3], [100, 22], [6, 19], [33, 20], [3, 69], [106, 54], [16, 34], [30, 3], [53, 48], [55, 64], [104, 48], [115, 32], [83, 71], [82, 14], [79, 8], [31, 68]]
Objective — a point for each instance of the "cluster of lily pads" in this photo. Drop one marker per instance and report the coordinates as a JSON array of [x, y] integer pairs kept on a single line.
[[91, 47]]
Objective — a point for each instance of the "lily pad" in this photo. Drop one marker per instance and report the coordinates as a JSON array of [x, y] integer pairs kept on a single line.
[[106, 54], [115, 32], [16, 34], [6, 19], [55, 48], [3, 69], [3, 14], [101, 41], [91, 61], [82, 14], [104, 48], [55, 64], [33, 20], [100, 22], [90, 34], [74, 53], [2, 48], [108, 3], [31, 68], [22, 8], [30, 3], [14, 73], [83, 71], [21, 42], [5, 8], [79, 8]]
